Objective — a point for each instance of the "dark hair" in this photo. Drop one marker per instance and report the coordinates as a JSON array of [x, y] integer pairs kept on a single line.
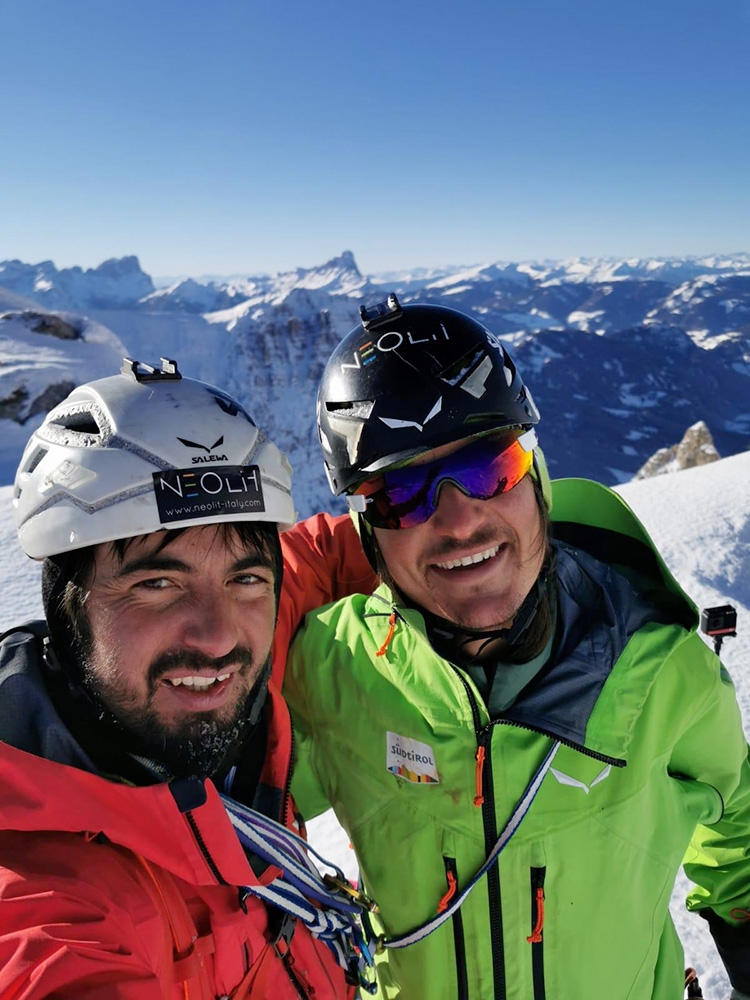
[[66, 612]]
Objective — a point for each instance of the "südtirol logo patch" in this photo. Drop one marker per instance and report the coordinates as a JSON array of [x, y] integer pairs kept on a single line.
[[411, 760], [189, 494]]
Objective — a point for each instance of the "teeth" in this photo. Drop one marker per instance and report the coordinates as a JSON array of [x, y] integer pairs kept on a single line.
[[470, 560], [197, 681]]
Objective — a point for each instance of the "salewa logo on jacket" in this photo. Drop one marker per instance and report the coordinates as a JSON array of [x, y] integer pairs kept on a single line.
[[566, 779]]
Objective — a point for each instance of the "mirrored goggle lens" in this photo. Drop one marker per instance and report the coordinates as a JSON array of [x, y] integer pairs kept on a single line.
[[405, 497]]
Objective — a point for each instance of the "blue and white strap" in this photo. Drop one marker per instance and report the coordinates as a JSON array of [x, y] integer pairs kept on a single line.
[[327, 905], [519, 813]]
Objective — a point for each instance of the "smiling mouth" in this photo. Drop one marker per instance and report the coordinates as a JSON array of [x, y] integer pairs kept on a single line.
[[198, 682], [478, 557]]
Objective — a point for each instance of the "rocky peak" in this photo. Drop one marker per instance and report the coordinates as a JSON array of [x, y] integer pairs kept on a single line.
[[696, 448], [48, 323]]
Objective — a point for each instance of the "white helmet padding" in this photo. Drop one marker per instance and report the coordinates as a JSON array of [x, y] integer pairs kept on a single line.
[[142, 451]]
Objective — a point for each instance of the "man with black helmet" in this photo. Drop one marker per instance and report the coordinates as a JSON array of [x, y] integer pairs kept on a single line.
[[155, 503], [521, 730]]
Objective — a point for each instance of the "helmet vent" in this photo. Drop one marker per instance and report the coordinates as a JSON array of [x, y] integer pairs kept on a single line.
[[463, 367], [35, 459], [358, 410], [81, 421]]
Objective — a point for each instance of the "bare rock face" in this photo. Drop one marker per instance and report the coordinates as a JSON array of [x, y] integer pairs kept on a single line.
[[11, 408], [49, 398], [17, 407], [49, 323], [696, 448]]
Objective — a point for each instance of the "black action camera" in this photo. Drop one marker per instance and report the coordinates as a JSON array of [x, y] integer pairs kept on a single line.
[[719, 621]]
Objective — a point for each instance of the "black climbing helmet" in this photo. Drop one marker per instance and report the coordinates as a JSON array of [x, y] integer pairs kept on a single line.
[[409, 379]]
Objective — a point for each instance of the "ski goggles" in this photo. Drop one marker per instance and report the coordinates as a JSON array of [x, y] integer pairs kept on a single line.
[[403, 498]]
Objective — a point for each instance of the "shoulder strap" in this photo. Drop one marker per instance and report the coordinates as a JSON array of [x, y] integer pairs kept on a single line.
[[182, 942]]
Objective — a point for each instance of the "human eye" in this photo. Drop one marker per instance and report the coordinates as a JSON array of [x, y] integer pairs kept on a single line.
[[249, 579], [153, 583], [257, 576]]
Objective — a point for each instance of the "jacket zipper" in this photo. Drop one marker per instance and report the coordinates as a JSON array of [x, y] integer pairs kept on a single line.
[[204, 850], [300, 987], [462, 980], [614, 761], [536, 939], [489, 822], [288, 782]]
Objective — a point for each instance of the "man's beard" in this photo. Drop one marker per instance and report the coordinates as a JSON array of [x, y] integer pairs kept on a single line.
[[197, 744]]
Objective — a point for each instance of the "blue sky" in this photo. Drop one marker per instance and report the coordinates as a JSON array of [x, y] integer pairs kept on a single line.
[[260, 136]]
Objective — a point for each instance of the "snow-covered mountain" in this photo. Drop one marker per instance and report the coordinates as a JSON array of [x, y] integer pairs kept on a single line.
[[117, 282], [622, 355]]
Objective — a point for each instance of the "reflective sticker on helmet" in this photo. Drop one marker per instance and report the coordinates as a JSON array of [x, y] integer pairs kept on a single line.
[[188, 494], [475, 383], [395, 423]]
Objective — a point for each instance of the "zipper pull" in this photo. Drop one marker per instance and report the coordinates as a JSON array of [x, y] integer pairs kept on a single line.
[[480, 755], [536, 934], [443, 904], [391, 630]]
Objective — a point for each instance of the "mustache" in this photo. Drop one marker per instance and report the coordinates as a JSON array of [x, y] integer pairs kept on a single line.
[[197, 661], [482, 539]]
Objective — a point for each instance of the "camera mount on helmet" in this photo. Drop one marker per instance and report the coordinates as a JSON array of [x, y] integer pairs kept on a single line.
[[381, 312], [142, 372]]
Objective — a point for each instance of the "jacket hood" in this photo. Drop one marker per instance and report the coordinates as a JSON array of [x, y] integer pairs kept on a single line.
[[596, 519]]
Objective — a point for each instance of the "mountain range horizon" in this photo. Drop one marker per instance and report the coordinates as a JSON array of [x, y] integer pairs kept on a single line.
[[622, 354]]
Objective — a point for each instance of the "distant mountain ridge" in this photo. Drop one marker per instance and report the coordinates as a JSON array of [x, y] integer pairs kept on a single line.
[[622, 354]]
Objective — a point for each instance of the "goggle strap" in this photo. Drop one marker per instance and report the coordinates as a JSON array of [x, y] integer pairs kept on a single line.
[[528, 440], [357, 502]]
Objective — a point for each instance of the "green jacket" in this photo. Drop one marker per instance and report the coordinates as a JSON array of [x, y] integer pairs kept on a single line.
[[653, 769]]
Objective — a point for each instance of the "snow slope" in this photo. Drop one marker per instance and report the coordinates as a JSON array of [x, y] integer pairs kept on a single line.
[[699, 518]]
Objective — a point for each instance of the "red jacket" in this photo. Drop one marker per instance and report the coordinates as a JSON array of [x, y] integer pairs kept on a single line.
[[118, 892], [323, 561]]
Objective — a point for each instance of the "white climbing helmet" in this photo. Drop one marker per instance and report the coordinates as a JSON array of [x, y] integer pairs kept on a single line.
[[141, 451]]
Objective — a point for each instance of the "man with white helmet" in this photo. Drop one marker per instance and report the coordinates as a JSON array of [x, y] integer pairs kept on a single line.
[[521, 730], [155, 503]]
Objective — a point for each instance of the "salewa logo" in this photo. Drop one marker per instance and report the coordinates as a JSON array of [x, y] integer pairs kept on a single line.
[[208, 457], [565, 779], [394, 424]]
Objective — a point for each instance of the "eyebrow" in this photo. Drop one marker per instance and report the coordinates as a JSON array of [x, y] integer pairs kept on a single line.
[[156, 562]]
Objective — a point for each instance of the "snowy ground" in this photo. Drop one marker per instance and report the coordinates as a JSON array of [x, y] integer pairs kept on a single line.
[[700, 519]]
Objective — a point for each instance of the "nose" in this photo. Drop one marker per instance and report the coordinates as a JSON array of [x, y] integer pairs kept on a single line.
[[209, 625], [456, 513]]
